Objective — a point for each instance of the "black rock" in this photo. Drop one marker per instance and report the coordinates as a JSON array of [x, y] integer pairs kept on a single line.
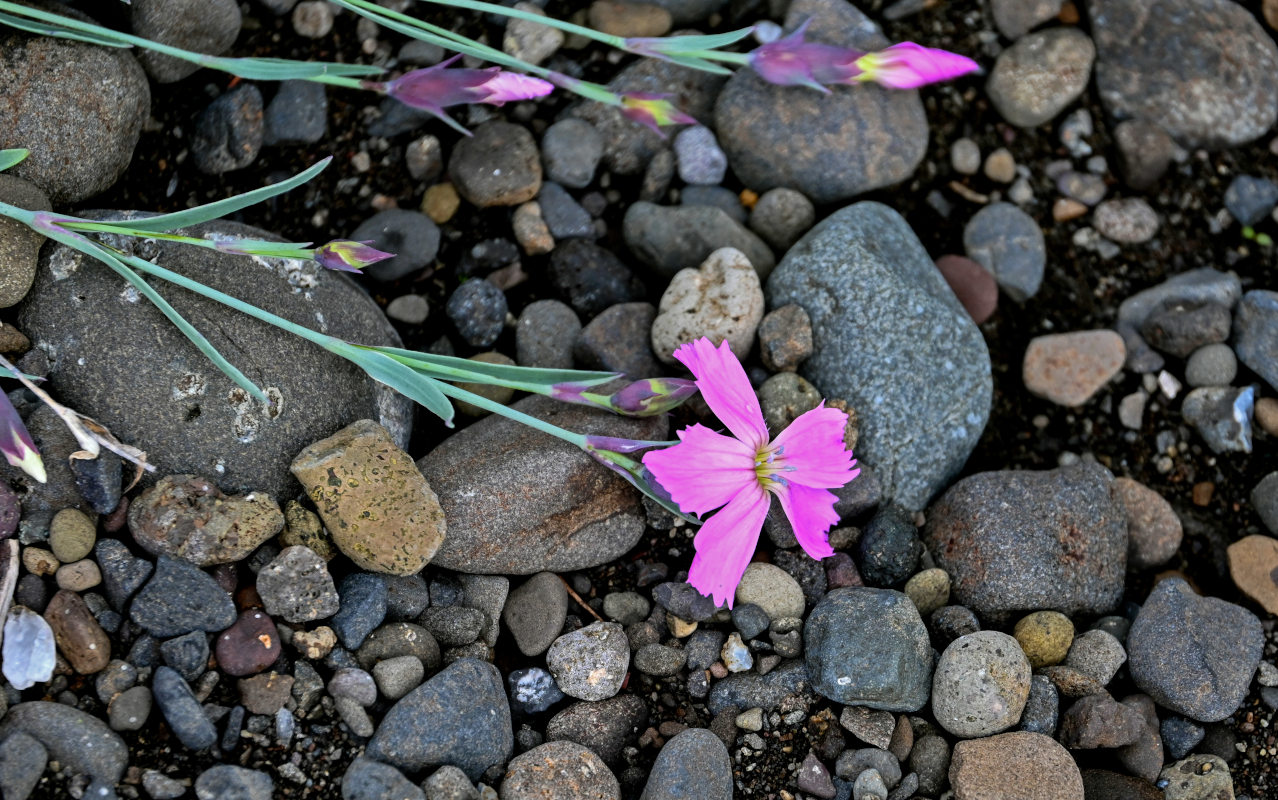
[[750, 620], [98, 480], [478, 309], [181, 710], [591, 278], [407, 596], [188, 654], [1180, 736], [1042, 709], [122, 572], [619, 340], [228, 134], [181, 598], [298, 114], [1180, 328], [363, 607], [684, 601], [889, 549]]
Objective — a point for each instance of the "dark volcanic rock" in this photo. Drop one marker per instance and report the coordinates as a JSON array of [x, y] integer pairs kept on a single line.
[[1022, 541]]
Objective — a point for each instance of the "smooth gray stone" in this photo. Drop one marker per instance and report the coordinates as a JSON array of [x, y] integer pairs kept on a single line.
[[80, 741]]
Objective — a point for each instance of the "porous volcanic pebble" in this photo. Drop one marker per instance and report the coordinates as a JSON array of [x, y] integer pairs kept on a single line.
[[1201, 69], [1014, 766], [374, 501], [722, 299], [188, 517], [1008, 243], [1194, 655], [1018, 540], [498, 165], [693, 765], [559, 771], [181, 598], [1153, 530], [297, 587], [250, 645], [972, 284], [981, 684], [460, 717], [1070, 368], [590, 663], [80, 741], [592, 279], [1036, 78], [868, 647], [1199, 777]]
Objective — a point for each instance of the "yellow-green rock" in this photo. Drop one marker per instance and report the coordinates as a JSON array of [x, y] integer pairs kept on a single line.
[[71, 535], [1045, 636], [929, 590], [380, 511], [303, 527]]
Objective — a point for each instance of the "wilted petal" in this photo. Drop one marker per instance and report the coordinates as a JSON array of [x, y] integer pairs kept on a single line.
[[908, 66], [726, 389], [811, 514], [812, 450], [704, 471], [348, 256], [725, 545]]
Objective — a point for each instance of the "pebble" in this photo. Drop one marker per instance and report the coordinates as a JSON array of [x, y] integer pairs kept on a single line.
[[398, 639], [188, 517], [474, 736], [965, 156], [313, 19], [266, 693], [1029, 766], [1070, 368], [228, 134], [22, 762], [226, 781], [366, 779], [1153, 530], [298, 114], [1129, 220], [1039, 76], [1041, 708], [530, 41], [570, 152], [1065, 209], [453, 626], [1180, 328], [1254, 559], [1143, 757], [564, 216], [1266, 410], [629, 19], [79, 741], [700, 160], [814, 778], [1098, 721], [885, 664], [1264, 498], [625, 608], [122, 572], [869, 785], [412, 237], [424, 156], [973, 284], [498, 165], [735, 655], [79, 576], [1256, 333], [785, 338], [410, 309], [478, 309], [866, 280], [693, 764], [441, 201], [772, 589], [591, 279], [1198, 777], [1012, 540], [670, 238], [722, 300], [604, 726], [249, 646], [297, 587], [928, 590], [1211, 365], [1180, 735], [1097, 654], [889, 548], [718, 197], [1000, 166], [750, 619], [590, 663], [1250, 199], [1193, 655], [130, 709], [534, 612], [872, 727], [181, 598], [182, 710], [981, 684], [449, 783], [1015, 18], [620, 340], [545, 333], [852, 763], [561, 769], [71, 535], [398, 676], [362, 606], [188, 654], [38, 561], [31, 654], [1145, 151], [1167, 68], [783, 398], [930, 760], [1222, 415], [781, 216]]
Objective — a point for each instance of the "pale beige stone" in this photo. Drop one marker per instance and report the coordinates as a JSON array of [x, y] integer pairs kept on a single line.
[[721, 300]]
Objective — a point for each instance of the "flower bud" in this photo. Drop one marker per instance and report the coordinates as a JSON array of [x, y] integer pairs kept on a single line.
[[348, 256]]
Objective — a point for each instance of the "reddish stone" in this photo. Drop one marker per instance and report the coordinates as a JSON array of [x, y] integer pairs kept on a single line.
[[973, 284], [79, 636], [249, 646]]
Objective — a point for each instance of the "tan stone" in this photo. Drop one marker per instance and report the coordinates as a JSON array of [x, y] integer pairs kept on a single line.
[[531, 230], [629, 19], [1014, 766], [303, 527], [440, 202], [39, 561], [315, 644], [1153, 530], [497, 394], [1267, 415], [1069, 368], [186, 516], [379, 509], [79, 636], [722, 299], [1253, 564]]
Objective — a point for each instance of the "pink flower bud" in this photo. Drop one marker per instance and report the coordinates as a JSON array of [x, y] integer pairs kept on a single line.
[[348, 256], [435, 88], [908, 66], [16, 443], [653, 110]]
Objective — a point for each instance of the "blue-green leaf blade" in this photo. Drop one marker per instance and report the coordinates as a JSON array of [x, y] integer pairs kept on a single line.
[[506, 372], [408, 382], [9, 158]]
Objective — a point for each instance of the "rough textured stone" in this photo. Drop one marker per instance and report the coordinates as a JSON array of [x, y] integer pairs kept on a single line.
[[693, 765], [590, 663], [200, 26], [519, 501], [605, 726], [1036, 78], [1201, 69], [498, 165], [181, 598], [181, 409], [830, 147], [79, 636], [186, 516], [1070, 368], [1022, 541], [1253, 564], [374, 501], [562, 770], [1256, 333], [980, 685], [82, 742], [81, 141], [885, 324], [721, 300], [1153, 530], [1015, 18], [1014, 766], [19, 245]]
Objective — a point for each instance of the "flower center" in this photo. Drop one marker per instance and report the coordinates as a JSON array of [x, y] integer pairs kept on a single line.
[[769, 462]]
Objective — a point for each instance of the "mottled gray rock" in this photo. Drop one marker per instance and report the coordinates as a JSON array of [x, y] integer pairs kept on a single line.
[[1036, 78], [459, 717], [1222, 414], [570, 151], [981, 684], [1017, 541], [81, 141], [229, 132], [605, 726], [229, 782], [1256, 333], [519, 501], [1009, 244], [298, 114], [1202, 285], [19, 245], [1015, 18], [868, 647], [694, 765], [498, 165], [181, 598], [563, 770], [200, 26], [82, 742], [181, 409], [590, 663], [22, 762], [366, 779], [885, 324], [1201, 69], [671, 238], [1194, 655], [181, 709], [831, 146]]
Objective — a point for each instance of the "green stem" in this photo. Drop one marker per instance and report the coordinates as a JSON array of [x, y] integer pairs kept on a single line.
[[479, 401]]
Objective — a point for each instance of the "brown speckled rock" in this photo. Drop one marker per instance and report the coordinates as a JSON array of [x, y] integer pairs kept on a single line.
[[1153, 529], [1069, 368], [186, 516], [19, 245], [381, 512], [560, 770], [1014, 766], [79, 636]]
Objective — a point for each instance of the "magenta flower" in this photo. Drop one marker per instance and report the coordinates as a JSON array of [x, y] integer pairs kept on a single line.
[[653, 110], [16, 443], [435, 88], [707, 470], [347, 256], [908, 66]]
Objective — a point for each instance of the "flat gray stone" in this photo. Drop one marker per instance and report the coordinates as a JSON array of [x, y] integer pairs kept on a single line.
[[82, 742]]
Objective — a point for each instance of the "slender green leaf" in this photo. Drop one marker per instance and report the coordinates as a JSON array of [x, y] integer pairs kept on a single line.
[[708, 41], [692, 62], [505, 372], [9, 158], [282, 69], [58, 31], [413, 385], [220, 208]]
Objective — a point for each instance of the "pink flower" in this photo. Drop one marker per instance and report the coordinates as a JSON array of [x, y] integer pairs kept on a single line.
[[16, 443], [908, 66], [653, 110], [707, 470], [348, 256], [435, 88]]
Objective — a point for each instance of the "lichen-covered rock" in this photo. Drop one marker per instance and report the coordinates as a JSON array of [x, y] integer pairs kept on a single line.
[[186, 516]]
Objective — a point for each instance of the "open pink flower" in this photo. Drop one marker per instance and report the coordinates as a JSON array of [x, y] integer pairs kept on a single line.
[[707, 470]]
